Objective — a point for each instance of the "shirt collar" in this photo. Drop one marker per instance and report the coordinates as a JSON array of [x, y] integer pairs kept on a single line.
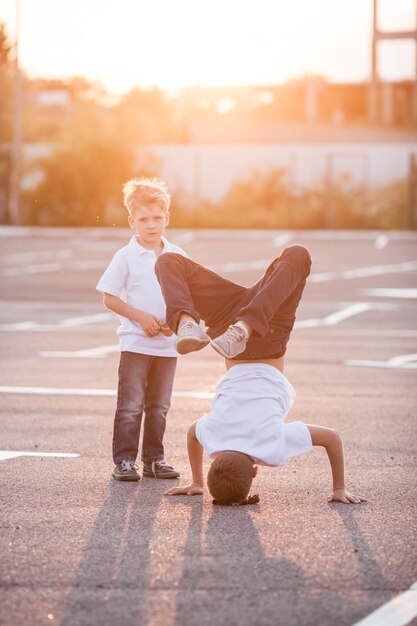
[[133, 243]]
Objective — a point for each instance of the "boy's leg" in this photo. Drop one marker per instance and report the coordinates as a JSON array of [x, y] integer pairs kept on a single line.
[[269, 309], [193, 289], [157, 403], [133, 370], [279, 291]]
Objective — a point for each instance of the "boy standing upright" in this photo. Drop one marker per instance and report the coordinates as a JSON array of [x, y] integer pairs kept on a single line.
[[148, 356]]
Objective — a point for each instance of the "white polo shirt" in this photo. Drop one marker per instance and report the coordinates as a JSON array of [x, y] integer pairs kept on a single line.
[[247, 415], [131, 277]]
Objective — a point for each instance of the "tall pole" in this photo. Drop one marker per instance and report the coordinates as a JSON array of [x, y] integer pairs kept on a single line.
[[412, 192], [329, 195], [378, 36], [414, 115], [16, 148], [373, 87]]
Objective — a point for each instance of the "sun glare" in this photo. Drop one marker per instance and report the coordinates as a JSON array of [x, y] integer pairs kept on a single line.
[[176, 43]]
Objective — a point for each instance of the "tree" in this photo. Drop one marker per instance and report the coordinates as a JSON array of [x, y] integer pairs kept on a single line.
[[261, 201], [148, 116], [81, 182], [5, 48]]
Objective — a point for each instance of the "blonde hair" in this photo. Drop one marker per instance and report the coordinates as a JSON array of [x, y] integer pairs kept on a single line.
[[229, 478], [139, 192]]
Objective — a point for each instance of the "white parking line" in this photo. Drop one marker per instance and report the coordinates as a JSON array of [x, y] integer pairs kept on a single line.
[[238, 266], [92, 353], [88, 265], [359, 272], [329, 320], [45, 268], [335, 318], [246, 234], [382, 364], [5, 455], [398, 612], [281, 240], [404, 358], [409, 294], [182, 238], [35, 268], [363, 272], [66, 391], [379, 332], [381, 242], [85, 319], [28, 257], [405, 361], [70, 322]]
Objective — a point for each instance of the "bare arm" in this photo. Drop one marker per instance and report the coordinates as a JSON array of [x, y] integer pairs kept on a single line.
[[195, 457], [332, 442], [150, 323]]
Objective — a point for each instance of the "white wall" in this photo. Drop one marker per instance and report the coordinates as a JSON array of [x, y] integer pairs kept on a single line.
[[207, 171]]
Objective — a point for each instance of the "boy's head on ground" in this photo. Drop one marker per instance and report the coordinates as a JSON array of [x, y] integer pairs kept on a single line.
[[229, 478], [147, 201]]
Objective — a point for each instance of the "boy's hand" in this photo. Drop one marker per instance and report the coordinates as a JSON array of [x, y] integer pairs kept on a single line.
[[188, 490], [150, 324], [165, 330], [341, 495]]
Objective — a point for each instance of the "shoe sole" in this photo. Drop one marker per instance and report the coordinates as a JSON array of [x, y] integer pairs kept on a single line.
[[150, 475], [220, 350], [126, 478], [185, 345]]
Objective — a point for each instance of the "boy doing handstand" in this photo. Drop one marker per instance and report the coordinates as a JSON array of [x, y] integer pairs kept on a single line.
[[246, 424]]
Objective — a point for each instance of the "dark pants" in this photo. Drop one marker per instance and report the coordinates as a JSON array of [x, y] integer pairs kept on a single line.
[[268, 307], [145, 385]]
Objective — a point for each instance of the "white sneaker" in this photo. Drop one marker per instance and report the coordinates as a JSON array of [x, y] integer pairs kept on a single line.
[[231, 343], [190, 338]]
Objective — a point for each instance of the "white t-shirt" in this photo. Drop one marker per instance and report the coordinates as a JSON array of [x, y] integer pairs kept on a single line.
[[247, 415], [131, 277]]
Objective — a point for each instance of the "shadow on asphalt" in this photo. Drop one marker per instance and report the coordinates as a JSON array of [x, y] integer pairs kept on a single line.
[[116, 560], [367, 563], [227, 578]]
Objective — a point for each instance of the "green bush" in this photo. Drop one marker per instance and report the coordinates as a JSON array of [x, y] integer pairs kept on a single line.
[[266, 201]]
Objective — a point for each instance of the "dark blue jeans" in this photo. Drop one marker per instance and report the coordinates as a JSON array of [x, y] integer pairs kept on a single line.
[[145, 386], [268, 307]]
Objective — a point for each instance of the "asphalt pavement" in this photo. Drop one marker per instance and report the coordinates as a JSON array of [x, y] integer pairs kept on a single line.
[[79, 549]]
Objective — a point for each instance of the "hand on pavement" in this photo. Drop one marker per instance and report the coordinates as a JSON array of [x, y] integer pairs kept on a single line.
[[341, 495], [188, 490]]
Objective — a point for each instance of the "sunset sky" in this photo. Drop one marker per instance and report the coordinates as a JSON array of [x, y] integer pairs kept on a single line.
[[175, 43]]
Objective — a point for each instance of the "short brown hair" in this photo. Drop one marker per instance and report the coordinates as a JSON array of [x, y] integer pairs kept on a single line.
[[139, 192], [229, 478]]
